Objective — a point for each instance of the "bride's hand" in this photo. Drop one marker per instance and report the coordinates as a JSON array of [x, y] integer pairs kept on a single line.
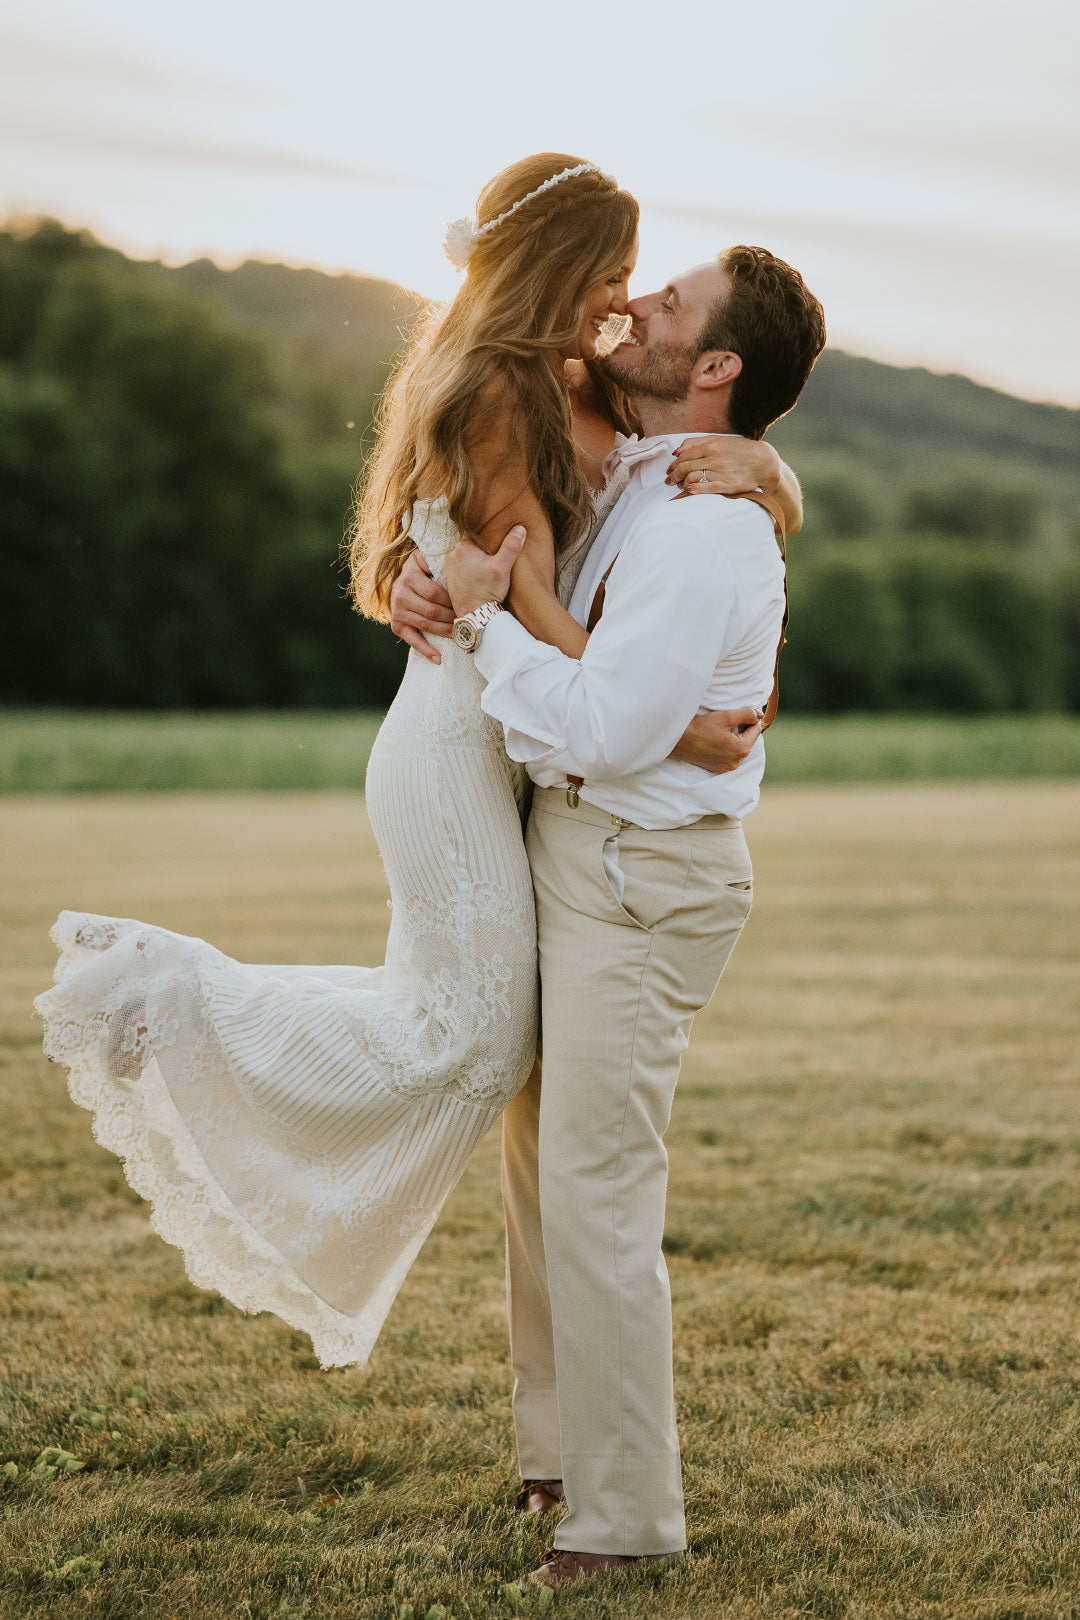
[[732, 466], [735, 466], [475, 576], [418, 603]]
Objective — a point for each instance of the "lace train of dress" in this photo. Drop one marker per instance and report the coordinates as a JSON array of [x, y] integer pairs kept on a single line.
[[296, 1130]]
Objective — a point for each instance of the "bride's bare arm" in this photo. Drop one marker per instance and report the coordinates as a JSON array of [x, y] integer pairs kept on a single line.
[[502, 495], [534, 603], [504, 498]]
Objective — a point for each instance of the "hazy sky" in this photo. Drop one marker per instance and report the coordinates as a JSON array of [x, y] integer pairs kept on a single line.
[[919, 163]]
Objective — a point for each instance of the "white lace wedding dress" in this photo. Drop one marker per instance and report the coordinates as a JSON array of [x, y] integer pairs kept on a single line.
[[297, 1129]]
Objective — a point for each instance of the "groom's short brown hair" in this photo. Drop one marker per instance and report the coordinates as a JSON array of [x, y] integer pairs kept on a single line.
[[776, 326]]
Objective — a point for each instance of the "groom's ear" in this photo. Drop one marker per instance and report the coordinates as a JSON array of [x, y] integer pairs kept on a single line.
[[716, 368]]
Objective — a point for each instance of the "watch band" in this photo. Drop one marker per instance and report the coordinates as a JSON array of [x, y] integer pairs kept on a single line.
[[470, 627]]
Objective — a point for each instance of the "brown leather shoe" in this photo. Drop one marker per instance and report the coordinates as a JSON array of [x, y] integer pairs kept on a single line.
[[540, 1496], [561, 1566]]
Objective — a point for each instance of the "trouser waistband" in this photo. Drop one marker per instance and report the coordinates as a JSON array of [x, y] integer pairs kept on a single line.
[[554, 801]]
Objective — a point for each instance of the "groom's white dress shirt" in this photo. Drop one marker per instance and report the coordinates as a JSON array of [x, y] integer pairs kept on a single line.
[[691, 621]]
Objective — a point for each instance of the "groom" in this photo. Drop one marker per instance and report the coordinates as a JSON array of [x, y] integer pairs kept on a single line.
[[643, 883]]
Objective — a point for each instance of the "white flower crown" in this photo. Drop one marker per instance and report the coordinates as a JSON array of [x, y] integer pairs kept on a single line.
[[463, 235]]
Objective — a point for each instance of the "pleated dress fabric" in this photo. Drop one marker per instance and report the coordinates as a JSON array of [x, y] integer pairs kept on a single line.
[[297, 1130]]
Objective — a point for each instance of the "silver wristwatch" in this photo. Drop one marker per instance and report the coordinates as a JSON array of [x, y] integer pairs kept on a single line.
[[470, 627]]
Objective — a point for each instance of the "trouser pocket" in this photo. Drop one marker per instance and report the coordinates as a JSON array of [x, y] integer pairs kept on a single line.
[[643, 874]]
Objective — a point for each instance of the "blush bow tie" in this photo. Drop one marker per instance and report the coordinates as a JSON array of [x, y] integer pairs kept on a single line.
[[629, 451]]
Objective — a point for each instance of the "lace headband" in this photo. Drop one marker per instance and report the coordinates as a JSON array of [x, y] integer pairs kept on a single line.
[[463, 235]]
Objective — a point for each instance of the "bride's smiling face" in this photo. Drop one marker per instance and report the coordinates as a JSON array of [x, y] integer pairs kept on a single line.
[[605, 299]]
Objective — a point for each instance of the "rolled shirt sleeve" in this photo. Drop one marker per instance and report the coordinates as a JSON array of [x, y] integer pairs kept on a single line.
[[673, 604]]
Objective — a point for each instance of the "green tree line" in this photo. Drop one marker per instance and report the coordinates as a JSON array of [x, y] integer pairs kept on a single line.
[[178, 450], [173, 492]]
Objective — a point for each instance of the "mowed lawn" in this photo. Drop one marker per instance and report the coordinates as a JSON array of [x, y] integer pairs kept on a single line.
[[873, 1239]]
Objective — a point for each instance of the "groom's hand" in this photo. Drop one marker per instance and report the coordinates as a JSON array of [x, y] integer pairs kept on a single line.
[[418, 604], [719, 741], [475, 576]]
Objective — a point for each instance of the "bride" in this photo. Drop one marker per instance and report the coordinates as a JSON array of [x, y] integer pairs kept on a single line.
[[297, 1130]]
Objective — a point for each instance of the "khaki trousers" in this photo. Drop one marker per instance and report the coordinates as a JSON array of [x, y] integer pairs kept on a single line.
[[584, 1165]]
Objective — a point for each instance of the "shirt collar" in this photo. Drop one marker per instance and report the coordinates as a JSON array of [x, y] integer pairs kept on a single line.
[[649, 469]]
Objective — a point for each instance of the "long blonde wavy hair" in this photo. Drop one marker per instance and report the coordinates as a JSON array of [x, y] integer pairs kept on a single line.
[[522, 299]]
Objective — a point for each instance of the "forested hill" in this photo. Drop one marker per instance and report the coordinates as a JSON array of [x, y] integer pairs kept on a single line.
[[351, 325], [883, 414], [892, 413]]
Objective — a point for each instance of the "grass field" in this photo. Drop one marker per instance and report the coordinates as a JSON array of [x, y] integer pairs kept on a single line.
[[873, 1239], [64, 750]]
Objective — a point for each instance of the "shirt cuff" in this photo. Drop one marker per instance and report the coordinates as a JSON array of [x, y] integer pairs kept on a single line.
[[503, 643]]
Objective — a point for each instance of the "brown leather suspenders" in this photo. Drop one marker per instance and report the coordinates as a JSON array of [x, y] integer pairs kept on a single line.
[[775, 512], [575, 783]]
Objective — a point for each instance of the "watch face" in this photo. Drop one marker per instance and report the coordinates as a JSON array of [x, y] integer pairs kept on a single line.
[[465, 634]]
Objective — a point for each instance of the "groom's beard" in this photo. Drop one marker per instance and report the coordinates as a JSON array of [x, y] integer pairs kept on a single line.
[[662, 372]]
